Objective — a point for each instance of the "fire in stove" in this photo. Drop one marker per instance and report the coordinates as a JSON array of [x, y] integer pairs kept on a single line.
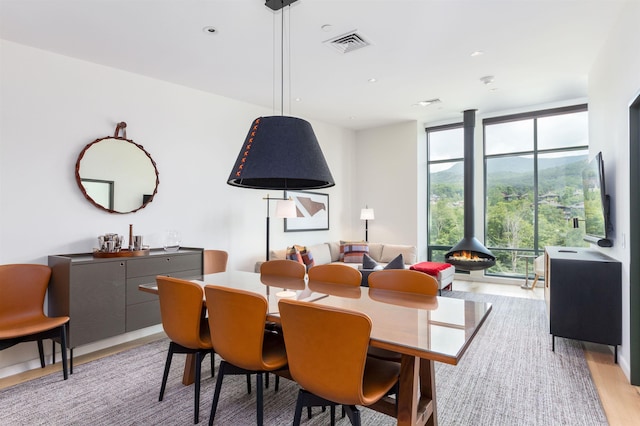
[[466, 256]]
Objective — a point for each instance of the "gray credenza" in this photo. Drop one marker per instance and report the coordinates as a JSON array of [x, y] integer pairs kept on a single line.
[[101, 296], [583, 292]]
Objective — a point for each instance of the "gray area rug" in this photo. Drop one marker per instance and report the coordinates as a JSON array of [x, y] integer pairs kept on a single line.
[[509, 376]]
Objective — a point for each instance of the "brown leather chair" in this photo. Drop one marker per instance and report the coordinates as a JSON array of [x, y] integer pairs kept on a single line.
[[215, 261], [22, 318], [336, 273], [237, 323], [404, 280], [327, 353], [287, 268], [184, 322]]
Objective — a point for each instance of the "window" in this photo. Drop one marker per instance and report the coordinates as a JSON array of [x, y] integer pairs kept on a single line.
[[533, 184], [445, 170]]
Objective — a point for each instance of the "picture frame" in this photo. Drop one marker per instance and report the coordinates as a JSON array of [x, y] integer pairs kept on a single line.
[[312, 209]]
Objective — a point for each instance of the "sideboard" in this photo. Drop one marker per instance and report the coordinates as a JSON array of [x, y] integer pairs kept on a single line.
[[583, 292], [101, 296]]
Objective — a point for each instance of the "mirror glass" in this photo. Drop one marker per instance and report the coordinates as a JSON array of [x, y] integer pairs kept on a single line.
[[117, 175]]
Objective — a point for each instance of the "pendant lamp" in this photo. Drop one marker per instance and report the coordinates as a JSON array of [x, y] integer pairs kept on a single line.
[[281, 152]]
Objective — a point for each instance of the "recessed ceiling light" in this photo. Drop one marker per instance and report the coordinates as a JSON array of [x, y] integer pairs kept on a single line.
[[326, 28], [477, 53], [298, 99], [427, 102], [487, 79], [209, 30], [373, 80]]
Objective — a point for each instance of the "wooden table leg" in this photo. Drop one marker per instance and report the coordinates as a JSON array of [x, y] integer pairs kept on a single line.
[[428, 390], [189, 375], [416, 393]]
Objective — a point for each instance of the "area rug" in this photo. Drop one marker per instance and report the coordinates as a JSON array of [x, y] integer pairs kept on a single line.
[[509, 376]]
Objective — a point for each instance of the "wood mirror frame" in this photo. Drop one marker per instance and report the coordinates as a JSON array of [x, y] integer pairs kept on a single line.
[[115, 163]]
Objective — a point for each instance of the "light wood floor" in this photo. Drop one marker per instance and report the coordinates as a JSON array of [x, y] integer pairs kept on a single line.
[[621, 401]]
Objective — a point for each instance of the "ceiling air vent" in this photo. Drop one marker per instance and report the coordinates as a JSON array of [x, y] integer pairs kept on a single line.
[[348, 42]]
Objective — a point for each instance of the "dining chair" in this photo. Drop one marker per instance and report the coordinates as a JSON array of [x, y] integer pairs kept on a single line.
[[184, 322], [22, 318], [286, 268], [402, 280], [327, 354], [405, 280], [237, 323], [336, 273], [215, 261]]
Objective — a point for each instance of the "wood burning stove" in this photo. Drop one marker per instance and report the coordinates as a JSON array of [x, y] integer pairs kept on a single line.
[[469, 254]]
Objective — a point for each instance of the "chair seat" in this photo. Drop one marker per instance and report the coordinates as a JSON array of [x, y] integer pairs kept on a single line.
[[379, 377], [31, 325]]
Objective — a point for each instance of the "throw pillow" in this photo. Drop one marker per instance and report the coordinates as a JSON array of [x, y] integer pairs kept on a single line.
[[294, 254], [368, 262], [353, 252], [397, 263], [307, 258]]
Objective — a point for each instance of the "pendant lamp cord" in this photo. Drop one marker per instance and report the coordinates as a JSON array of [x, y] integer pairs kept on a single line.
[[282, 63]]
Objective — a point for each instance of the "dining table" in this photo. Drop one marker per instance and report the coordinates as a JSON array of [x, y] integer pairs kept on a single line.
[[421, 329]]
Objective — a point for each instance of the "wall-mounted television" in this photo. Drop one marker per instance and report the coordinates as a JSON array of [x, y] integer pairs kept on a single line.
[[596, 204]]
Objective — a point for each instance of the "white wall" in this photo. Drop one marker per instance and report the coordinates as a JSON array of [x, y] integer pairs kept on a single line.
[[614, 82], [386, 180], [52, 106]]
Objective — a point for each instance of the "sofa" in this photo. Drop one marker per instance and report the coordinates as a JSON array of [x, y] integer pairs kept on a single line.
[[338, 252]]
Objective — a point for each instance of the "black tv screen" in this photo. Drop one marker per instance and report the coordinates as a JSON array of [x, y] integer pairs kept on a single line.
[[596, 203]]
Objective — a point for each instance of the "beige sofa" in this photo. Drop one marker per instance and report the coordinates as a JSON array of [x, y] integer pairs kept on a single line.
[[330, 253]]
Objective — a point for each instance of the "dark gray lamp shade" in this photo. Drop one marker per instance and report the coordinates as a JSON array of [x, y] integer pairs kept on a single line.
[[281, 152]]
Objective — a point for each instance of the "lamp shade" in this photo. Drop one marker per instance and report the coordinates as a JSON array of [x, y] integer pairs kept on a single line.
[[281, 152], [286, 209], [366, 214]]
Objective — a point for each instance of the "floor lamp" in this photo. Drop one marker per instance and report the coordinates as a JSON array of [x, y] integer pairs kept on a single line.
[[285, 208], [366, 214]]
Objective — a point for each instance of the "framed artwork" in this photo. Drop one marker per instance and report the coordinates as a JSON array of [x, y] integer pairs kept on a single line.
[[312, 211]]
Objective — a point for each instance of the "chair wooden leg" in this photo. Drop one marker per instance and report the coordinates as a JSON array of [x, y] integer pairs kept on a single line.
[[259, 400], [63, 350], [216, 393], [196, 388], [41, 353], [354, 415], [298, 414], [167, 366]]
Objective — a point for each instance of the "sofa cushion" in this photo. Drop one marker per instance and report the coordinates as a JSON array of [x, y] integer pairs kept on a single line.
[[396, 263], [352, 252], [278, 254], [321, 253], [375, 251], [334, 249], [391, 251]]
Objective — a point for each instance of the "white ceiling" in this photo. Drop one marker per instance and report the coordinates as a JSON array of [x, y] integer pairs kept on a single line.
[[540, 51]]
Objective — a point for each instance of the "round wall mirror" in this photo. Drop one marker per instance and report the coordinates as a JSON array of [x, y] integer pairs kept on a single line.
[[116, 174]]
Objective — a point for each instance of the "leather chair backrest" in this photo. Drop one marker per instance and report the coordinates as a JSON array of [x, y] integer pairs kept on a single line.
[[215, 261], [22, 290], [237, 322], [326, 349], [181, 307], [404, 280], [336, 273], [288, 268]]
